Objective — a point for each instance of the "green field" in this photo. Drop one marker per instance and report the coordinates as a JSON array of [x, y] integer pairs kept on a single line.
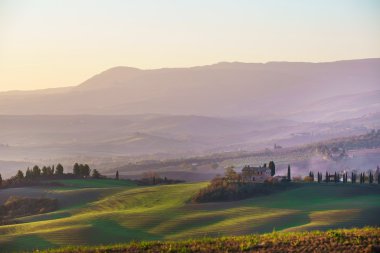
[[112, 211]]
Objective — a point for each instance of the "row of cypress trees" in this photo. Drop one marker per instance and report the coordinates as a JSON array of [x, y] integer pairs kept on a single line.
[[336, 177]]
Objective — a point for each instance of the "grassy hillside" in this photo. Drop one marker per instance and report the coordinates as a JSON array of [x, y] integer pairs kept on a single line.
[[343, 240], [125, 213]]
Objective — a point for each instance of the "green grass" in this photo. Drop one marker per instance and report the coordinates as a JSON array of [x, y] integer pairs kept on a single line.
[[126, 213], [93, 183]]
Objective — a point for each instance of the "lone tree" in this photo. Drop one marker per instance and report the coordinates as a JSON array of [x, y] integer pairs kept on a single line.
[[117, 175], [1, 180], [272, 168], [289, 176]]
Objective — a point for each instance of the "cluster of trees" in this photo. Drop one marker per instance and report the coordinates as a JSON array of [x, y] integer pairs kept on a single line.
[[81, 170], [232, 187], [44, 172], [152, 178], [36, 174]]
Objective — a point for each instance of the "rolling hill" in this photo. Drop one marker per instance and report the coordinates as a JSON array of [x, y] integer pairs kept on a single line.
[[127, 212]]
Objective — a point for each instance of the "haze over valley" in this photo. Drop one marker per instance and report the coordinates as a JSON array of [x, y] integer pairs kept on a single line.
[[133, 114]]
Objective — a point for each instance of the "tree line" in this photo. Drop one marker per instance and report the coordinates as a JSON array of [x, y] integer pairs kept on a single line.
[[35, 174], [337, 177]]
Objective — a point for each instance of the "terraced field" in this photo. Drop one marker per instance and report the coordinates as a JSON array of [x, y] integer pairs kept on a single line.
[[125, 212]]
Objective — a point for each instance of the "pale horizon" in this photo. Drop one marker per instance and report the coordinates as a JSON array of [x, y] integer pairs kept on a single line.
[[49, 44]]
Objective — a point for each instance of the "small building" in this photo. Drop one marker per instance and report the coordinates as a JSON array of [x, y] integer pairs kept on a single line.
[[255, 174]]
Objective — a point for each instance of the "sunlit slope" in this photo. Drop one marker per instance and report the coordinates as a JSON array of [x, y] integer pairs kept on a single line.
[[164, 212]]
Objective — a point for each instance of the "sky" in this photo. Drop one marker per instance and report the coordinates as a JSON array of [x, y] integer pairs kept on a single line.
[[56, 43]]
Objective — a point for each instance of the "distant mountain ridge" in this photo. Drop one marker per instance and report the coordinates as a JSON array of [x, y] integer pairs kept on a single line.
[[274, 89]]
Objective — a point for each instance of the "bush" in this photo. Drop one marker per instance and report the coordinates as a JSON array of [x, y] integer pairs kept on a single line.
[[308, 179]]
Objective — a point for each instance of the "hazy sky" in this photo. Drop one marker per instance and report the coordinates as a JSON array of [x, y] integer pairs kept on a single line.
[[51, 43]]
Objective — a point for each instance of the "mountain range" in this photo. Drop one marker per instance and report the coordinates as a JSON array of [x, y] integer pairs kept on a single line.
[[301, 91]]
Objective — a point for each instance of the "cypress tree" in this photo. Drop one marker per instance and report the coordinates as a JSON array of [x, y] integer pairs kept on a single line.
[[117, 175], [1, 180], [370, 177], [272, 168], [311, 175], [327, 177], [28, 173], [289, 176]]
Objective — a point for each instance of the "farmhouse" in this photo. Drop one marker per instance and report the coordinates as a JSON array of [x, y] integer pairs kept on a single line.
[[255, 174]]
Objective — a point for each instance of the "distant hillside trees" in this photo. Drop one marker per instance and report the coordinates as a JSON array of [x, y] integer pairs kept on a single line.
[[36, 176], [81, 170], [152, 178], [47, 171]]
